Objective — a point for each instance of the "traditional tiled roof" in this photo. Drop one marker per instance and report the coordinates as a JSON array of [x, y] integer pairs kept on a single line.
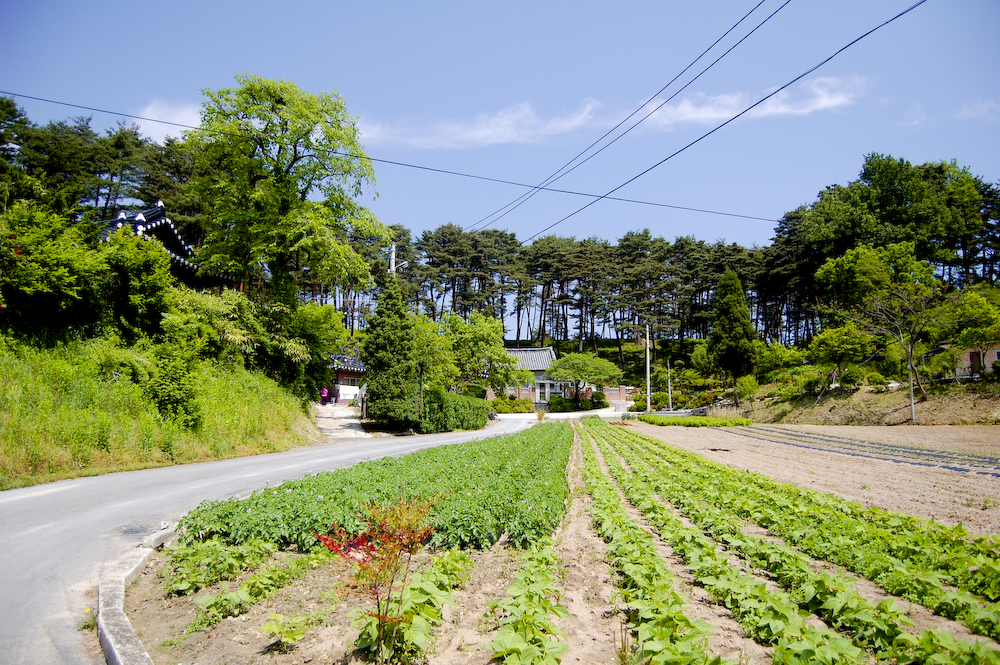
[[153, 222], [534, 359], [349, 363]]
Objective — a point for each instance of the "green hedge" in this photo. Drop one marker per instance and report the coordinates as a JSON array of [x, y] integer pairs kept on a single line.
[[442, 411], [694, 421], [558, 404], [509, 404]]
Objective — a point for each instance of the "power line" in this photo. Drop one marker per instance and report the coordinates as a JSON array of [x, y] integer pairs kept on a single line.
[[404, 164], [565, 169], [738, 115]]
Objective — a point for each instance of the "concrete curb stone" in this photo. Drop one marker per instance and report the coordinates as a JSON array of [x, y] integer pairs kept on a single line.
[[119, 642]]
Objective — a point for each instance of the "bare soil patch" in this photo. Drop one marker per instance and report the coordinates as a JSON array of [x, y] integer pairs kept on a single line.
[[936, 493], [947, 496]]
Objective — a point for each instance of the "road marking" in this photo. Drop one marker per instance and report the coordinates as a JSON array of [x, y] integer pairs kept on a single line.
[[25, 494]]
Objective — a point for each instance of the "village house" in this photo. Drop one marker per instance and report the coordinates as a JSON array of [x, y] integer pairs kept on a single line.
[[538, 361], [350, 377]]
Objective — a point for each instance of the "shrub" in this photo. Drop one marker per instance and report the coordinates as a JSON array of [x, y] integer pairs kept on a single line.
[[171, 388], [511, 405], [598, 400], [853, 376], [747, 386], [657, 401], [473, 390], [559, 404], [442, 411], [876, 380]]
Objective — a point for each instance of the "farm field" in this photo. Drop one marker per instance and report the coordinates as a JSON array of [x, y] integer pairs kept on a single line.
[[705, 561]]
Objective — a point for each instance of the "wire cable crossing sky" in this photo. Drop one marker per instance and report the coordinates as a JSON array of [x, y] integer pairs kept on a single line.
[[494, 101]]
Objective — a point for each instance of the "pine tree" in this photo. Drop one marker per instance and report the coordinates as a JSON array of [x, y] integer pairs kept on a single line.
[[390, 356], [731, 342]]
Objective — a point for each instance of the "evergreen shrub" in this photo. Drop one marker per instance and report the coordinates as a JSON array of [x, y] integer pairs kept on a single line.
[[558, 404], [442, 411], [853, 376], [510, 404]]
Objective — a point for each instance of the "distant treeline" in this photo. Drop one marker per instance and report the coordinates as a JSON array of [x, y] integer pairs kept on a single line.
[[556, 288]]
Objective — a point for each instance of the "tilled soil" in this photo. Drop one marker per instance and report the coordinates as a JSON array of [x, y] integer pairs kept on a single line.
[[594, 624]]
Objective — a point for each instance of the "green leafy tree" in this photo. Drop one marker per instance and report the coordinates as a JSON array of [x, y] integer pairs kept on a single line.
[[137, 284], [840, 346], [480, 355], [436, 359], [977, 316], [582, 368], [320, 328], [731, 341], [264, 151], [887, 292], [50, 279], [391, 360], [222, 327]]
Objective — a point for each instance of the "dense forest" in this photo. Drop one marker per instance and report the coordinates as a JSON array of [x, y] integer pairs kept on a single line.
[[557, 288], [273, 211]]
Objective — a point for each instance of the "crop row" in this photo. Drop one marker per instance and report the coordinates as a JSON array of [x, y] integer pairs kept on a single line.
[[481, 490], [768, 616], [877, 628], [655, 608], [908, 558], [526, 633], [912, 454]]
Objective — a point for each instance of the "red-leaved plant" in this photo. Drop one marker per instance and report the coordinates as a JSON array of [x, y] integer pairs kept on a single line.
[[382, 556]]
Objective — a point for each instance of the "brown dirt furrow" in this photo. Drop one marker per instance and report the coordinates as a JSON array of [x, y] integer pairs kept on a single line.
[[950, 497]]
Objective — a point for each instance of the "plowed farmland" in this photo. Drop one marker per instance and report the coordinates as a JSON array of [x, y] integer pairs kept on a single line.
[[607, 543]]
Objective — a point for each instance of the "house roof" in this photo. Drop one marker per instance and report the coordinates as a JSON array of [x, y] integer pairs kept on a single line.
[[534, 359], [153, 222], [349, 363]]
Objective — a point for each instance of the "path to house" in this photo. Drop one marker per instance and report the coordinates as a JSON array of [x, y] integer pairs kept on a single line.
[[338, 421], [58, 540]]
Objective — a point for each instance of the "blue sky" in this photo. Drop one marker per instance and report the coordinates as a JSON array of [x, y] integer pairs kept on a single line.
[[514, 90]]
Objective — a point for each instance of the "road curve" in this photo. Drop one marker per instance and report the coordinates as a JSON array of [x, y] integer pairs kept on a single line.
[[58, 540]]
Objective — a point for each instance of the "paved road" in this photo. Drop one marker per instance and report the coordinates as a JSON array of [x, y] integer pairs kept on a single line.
[[57, 540]]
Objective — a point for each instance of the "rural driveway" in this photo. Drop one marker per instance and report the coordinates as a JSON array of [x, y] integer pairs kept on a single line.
[[57, 540]]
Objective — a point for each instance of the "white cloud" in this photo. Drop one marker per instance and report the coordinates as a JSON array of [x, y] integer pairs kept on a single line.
[[915, 116], [987, 110], [159, 109], [515, 124], [521, 124], [819, 94]]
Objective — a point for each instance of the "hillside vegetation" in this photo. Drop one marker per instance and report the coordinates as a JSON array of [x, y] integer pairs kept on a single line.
[[86, 408]]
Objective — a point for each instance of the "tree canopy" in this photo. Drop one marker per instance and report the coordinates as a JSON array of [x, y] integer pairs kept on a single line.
[[582, 368], [263, 151], [731, 342]]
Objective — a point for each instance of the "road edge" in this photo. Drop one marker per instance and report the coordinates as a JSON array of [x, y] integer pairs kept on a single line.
[[119, 642]]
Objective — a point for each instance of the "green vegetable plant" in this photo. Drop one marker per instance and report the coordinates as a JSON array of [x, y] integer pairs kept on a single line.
[[715, 498], [527, 635], [287, 630]]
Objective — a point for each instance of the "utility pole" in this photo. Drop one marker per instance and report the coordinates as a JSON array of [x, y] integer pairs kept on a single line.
[[392, 260], [648, 400], [670, 390]]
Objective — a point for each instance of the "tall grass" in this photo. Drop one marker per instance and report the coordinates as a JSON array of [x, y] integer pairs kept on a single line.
[[85, 408]]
